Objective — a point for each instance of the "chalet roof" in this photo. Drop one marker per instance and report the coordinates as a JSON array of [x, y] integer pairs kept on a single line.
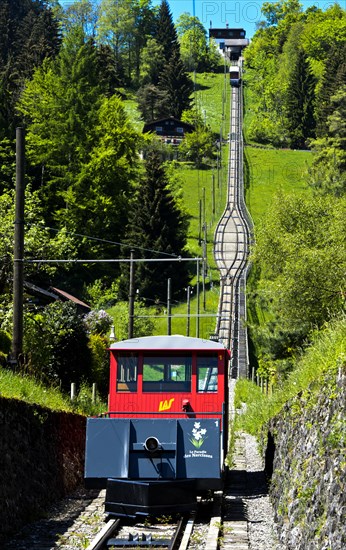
[[162, 121], [38, 290], [68, 296], [53, 294]]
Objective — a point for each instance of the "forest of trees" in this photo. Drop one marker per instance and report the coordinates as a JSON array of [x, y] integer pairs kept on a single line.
[[294, 66], [81, 148], [295, 81], [64, 75]]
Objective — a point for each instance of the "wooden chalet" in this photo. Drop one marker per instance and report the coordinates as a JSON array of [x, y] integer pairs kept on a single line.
[[170, 129]]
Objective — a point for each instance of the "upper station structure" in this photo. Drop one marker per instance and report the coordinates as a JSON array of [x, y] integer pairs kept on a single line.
[[231, 42]]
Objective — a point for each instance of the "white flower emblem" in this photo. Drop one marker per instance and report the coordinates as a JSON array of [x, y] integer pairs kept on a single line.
[[198, 435]]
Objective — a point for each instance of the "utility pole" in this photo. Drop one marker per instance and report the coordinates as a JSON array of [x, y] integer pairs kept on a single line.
[[169, 308], [198, 304], [188, 312], [204, 264], [131, 296], [213, 195], [200, 222], [18, 264]]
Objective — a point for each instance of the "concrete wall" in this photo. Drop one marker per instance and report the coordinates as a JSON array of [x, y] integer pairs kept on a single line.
[[42, 460], [308, 485]]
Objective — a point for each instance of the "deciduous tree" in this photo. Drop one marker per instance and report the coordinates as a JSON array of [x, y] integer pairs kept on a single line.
[[300, 252]]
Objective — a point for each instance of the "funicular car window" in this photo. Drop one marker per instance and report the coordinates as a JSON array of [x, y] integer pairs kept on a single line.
[[207, 373], [167, 373], [127, 373]]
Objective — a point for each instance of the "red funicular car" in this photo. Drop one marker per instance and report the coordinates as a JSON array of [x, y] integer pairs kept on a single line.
[[166, 424]]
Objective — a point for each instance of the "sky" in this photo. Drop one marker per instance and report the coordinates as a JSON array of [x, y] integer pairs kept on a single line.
[[236, 13]]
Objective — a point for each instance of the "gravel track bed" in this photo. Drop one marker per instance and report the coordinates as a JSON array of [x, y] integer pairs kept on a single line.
[[74, 522], [262, 530], [69, 525]]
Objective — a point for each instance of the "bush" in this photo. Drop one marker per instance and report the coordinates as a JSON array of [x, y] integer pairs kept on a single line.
[[56, 343], [99, 362], [98, 322], [102, 296], [5, 346], [84, 404]]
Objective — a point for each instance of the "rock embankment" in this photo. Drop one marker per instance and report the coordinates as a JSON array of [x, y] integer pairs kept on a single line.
[[308, 485], [42, 460]]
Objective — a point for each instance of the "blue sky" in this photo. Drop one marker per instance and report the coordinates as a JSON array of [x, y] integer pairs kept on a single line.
[[237, 13]]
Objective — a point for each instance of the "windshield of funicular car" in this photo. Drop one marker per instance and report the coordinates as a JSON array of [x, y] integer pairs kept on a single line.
[[167, 373]]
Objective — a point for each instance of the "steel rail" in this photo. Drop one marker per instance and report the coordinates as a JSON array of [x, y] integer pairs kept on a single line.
[[231, 249], [104, 538], [177, 535], [106, 532]]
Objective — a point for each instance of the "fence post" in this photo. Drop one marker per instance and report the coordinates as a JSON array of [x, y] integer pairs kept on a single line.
[[93, 394], [73, 391]]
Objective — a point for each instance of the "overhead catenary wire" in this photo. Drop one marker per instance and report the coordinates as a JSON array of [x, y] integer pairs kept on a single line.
[[106, 241], [115, 260]]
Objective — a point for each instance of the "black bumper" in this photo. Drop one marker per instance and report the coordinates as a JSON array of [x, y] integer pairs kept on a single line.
[[132, 498]]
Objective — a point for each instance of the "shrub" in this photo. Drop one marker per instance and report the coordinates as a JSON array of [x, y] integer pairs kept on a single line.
[[98, 345], [98, 322], [56, 343], [5, 346]]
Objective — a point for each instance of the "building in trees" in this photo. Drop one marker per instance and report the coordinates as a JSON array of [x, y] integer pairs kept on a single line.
[[231, 42], [170, 129]]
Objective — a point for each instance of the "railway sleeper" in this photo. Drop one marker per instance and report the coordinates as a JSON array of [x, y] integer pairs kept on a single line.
[[136, 540]]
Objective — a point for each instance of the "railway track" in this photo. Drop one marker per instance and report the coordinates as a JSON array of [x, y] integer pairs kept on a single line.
[[117, 534], [231, 248], [162, 533]]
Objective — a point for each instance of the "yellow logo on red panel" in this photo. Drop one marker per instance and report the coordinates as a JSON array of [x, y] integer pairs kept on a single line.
[[166, 405]]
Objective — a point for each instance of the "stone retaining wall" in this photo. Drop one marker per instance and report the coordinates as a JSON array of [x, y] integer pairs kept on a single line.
[[308, 484], [42, 460]]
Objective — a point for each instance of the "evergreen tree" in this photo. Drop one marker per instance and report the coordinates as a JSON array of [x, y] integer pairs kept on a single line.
[[178, 86], [86, 156], [153, 102], [165, 33], [111, 73], [28, 34], [300, 103], [156, 223], [66, 92]]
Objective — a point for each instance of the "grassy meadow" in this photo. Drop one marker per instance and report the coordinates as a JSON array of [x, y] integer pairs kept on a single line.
[[25, 388], [268, 171]]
